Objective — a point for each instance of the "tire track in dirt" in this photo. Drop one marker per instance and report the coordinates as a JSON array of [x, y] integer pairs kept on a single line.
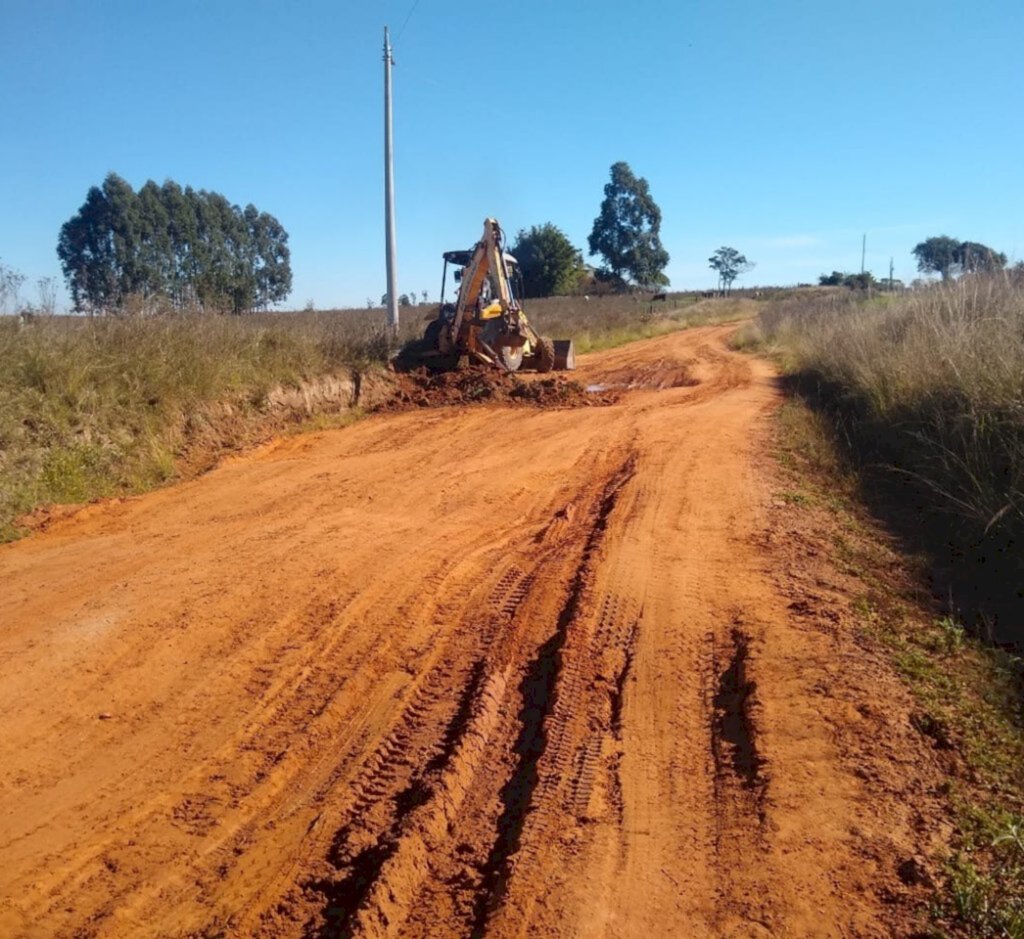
[[550, 692], [379, 855]]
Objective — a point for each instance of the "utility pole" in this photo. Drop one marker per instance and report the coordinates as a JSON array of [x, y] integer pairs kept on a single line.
[[863, 251], [389, 192], [890, 274]]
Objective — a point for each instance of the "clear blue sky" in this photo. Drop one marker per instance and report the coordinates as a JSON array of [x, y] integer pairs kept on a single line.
[[784, 128]]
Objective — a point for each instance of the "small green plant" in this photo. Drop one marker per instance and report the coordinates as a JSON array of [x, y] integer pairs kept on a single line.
[[991, 903], [947, 637]]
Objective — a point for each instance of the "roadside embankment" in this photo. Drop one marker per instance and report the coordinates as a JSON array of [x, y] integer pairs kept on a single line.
[[91, 408], [924, 396]]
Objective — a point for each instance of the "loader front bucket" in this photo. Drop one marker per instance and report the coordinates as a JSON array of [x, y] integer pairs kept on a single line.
[[565, 355]]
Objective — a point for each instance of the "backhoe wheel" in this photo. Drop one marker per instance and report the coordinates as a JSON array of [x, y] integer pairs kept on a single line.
[[545, 354], [511, 357]]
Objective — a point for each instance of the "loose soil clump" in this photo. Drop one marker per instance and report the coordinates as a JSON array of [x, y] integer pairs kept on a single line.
[[422, 388]]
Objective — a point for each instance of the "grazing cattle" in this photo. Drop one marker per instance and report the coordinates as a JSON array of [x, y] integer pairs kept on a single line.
[[660, 297]]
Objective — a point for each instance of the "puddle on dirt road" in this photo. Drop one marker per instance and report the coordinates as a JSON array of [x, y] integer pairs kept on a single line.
[[656, 376]]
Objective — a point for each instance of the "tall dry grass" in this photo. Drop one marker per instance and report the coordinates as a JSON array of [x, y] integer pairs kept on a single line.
[[926, 391], [93, 407], [608, 321]]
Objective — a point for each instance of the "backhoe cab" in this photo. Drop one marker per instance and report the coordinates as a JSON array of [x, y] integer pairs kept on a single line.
[[487, 323]]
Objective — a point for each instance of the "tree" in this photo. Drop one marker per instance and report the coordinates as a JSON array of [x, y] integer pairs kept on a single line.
[[835, 279], [186, 246], [47, 287], [86, 253], [948, 257], [730, 264], [270, 258], [938, 255], [10, 285], [549, 263], [626, 233], [865, 280], [974, 258]]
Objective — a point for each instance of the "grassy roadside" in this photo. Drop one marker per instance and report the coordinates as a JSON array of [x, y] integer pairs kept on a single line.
[[100, 407], [969, 692], [925, 392], [92, 408]]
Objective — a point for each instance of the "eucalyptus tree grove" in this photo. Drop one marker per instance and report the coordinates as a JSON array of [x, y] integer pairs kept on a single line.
[[192, 248]]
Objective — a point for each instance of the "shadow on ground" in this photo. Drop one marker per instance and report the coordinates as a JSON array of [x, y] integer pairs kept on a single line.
[[977, 573]]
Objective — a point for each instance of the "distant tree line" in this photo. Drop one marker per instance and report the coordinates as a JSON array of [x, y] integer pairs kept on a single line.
[[627, 236], [940, 255], [864, 280], [404, 299], [11, 281], [192, 249]]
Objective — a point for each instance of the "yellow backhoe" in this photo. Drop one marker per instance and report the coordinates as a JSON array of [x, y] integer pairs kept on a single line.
[[487, 323]]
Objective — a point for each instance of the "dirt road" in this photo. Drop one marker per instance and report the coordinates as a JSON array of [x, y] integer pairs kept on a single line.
[[465, 671]]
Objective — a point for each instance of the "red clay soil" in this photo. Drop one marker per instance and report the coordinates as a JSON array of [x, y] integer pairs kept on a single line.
[[422, 388], [458, 672]]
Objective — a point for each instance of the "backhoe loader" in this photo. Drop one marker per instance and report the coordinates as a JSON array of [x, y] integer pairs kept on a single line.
[[486, 323]]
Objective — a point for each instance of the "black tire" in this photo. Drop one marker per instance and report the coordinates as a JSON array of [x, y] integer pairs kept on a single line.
[[545, 354], [511, 357]]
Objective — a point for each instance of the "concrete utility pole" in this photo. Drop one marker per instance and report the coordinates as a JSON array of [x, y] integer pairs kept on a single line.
[[389, 192], [863, 251]]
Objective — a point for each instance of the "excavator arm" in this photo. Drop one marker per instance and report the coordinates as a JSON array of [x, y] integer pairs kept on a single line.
[[486, 294]]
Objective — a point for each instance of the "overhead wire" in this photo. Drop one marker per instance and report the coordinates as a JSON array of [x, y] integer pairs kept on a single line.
[[408, 17]]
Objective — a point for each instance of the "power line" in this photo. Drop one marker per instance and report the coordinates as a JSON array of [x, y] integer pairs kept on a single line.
[[407, 18]]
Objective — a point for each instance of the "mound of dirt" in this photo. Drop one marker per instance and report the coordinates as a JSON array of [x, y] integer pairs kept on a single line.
[[422, 388]]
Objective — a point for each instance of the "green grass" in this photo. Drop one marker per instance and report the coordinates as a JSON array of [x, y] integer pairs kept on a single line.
[[988, 898]]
